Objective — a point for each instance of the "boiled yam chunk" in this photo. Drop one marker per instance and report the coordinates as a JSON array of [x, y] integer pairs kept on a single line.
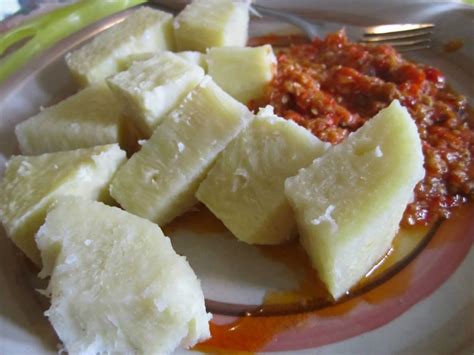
[[349, 202], [145, 30], [32, 183], [150, 89], [245, 188], [211, 23], [192, 57], [117, 286], [89, 118], [126, 62], [159, 182], [243, 72]]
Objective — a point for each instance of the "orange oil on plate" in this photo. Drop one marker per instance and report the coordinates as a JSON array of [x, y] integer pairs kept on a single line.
[[453, 45], [250, 333]]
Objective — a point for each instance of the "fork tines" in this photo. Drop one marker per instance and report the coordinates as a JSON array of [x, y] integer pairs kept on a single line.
[[401, 36]]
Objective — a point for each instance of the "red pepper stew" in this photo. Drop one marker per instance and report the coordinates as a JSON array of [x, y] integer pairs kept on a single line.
[[332, 86]]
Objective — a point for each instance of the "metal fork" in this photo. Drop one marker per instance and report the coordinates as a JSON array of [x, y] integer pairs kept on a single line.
[[404, 37]]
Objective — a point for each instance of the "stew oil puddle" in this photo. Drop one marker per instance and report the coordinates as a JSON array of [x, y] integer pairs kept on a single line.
[[251, 332]]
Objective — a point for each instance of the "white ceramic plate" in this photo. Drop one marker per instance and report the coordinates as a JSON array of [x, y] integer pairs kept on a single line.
[[433, 312]]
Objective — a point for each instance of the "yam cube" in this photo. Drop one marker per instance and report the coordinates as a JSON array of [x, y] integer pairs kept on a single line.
[[89, 118], [192, 57], [243, 72], [145, 30], [150, 89], [211, 23], [159, 182], [117, 286], [245, 188], [127, 62], [32, 183], [349, 202]]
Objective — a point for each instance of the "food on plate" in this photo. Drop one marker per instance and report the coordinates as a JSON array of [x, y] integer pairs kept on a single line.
[[192, 57], [150, 89], [349, 202], [160, 180], [117, 286], [332, 86], [243, 72], [126, 62], [32, 183], [145, 30], [89, 118], [245, 188], [211, 23]]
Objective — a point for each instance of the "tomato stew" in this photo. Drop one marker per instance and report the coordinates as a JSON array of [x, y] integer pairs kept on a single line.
[[332, 86]]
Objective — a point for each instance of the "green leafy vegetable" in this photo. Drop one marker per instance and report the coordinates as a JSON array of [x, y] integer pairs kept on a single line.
[[52, 27]]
